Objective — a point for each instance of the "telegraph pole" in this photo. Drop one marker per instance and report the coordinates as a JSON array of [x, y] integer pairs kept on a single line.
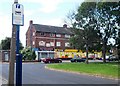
[[12, 57]]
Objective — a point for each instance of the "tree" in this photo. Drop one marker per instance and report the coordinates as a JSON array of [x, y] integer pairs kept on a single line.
[[85, 27], [5, 44], [107, 23], [99, 22]]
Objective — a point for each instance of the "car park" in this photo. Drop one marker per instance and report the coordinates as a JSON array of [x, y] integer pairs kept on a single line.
[[78, 59], [52, 60]]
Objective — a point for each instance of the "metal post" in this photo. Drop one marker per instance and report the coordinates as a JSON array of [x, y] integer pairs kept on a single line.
[[18, 57], [18, 60]]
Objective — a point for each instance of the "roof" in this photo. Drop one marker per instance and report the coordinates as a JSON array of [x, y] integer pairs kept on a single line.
[[52, 29]]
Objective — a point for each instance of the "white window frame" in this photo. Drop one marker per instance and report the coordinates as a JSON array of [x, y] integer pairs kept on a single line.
[[67, 44], [58, 35], [67, 36], [52, 35], [41, 43], [51, 43], [33, 42], [58, 44], [33, 33]]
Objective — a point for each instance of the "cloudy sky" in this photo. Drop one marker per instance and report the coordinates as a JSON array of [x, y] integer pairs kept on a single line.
[[47, 12]]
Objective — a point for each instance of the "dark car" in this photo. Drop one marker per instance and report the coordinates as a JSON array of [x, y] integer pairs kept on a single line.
[[52, 60], [78, 60]]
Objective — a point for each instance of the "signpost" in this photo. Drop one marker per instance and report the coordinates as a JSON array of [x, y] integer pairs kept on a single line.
[[18, 20], [17, 14]]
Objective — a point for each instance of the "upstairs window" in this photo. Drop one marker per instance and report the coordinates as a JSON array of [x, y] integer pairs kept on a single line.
[[58, 35], [52, 35], [58, 44], [52, 43], [67, 44], [33, 33], [33, 42], [41, 43], [67, 36], [42, 34]]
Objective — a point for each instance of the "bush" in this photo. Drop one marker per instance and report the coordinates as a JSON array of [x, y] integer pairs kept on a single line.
[[28, 54]]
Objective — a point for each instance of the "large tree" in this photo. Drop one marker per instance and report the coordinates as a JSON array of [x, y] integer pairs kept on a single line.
[[84, 27], [5, 44], [96, 17], [107, 23]]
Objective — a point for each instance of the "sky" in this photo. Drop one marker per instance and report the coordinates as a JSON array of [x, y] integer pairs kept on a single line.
[[46, 12]]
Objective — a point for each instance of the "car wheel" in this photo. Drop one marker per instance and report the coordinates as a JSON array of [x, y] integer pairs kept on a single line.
[[60, 61]]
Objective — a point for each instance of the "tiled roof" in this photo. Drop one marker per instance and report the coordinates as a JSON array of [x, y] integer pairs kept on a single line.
[[52, 29]]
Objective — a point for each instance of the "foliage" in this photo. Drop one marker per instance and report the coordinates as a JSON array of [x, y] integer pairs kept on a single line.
[[86, 36], [5, 44], [107, 22], [99, 23], [28, 54]]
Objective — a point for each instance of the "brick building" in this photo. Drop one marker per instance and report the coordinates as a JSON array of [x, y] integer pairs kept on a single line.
[[46, 37]]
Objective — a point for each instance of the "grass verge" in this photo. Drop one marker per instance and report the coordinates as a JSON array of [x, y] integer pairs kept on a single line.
[[109, 70]]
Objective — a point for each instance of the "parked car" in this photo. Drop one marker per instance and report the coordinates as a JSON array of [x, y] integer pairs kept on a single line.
[[112, 58], [78, 60], [52, 60]]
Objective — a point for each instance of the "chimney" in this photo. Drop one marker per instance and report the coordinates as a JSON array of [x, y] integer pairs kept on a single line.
[[31, 22], [65, 25]]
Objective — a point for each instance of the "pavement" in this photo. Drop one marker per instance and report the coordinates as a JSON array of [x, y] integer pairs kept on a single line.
[[2, 81]]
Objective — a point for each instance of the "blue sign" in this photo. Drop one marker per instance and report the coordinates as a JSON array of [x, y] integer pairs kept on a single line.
[[18, 6]]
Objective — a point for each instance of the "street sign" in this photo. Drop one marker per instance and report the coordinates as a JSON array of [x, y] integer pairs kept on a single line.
[[17, 14]]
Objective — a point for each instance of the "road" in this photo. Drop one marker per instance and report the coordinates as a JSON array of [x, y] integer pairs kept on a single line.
[[35, 73]]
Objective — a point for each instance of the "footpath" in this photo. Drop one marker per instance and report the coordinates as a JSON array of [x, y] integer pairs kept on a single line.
[[3, 81]]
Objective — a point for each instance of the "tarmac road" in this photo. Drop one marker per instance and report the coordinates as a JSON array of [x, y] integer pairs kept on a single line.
[[35, 73]]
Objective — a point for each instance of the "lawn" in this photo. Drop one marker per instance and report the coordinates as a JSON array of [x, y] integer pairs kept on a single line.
[[102, 69]]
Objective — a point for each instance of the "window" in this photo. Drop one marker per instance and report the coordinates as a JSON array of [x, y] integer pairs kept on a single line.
[[33, 42], [47, 44], [58, 35], [52, 35], [41, 43], [42, 34], [58, 44], [51, 43], [33, 33], [67, 44], [67, 36]]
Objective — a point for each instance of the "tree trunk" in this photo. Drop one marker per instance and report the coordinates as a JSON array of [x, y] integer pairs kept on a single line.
[[86, 53], [104, 51]]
